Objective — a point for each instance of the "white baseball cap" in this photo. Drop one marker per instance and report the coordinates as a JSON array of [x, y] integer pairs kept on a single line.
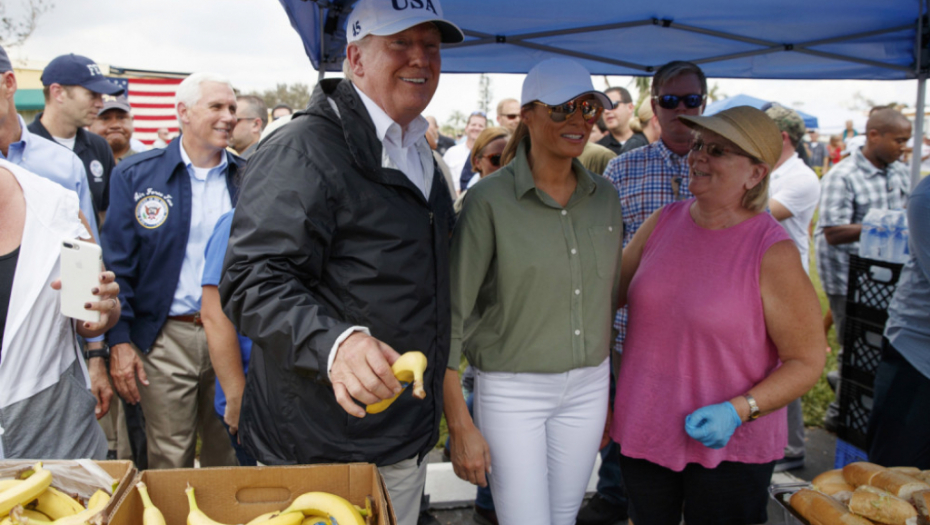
[[555, 81], [388, 17]]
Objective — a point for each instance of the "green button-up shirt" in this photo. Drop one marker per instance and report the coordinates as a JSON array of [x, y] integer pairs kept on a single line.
[[541, 279]]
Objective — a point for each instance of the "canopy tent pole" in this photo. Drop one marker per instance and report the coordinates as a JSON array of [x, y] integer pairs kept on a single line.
[[916, 154], [321, 73]]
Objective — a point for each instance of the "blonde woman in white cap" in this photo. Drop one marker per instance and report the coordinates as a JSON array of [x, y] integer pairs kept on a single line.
[[535, 256]]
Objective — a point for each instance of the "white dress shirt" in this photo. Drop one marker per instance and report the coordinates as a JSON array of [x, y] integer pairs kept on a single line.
[[209, 201], [403, 149]]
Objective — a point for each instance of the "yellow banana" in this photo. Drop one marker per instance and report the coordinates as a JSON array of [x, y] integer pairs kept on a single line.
[[21, 516], [278, 518], [264, 517], [35, 516], [366, 511], [408, 368], [28, 490], [56, 504], [196, 516], [96, 505], [151, 515], [324, 504], [7, 483], [284, 518]]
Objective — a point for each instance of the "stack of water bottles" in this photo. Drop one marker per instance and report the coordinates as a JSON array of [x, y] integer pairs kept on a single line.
[[884, 236]]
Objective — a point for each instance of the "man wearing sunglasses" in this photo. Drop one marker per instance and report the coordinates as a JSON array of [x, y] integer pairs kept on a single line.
[[617, 119], [338, 261], [647, 178], [508, 114]]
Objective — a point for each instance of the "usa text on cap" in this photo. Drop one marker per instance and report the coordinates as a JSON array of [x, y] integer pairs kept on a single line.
[[388, 17]]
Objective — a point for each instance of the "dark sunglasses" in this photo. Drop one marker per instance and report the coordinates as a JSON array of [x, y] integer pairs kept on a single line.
[[510, 116], [691, 101], [591, 110], [715, 150], [495, 160]]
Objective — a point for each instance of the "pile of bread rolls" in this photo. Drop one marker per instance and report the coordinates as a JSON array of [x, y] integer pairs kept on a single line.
[[865, 493]]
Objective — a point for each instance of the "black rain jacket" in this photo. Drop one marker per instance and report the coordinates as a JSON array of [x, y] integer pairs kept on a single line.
[[324, 238]]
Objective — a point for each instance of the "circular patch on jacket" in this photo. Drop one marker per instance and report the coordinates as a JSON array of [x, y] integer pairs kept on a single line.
[[151, 212], [96, 168]]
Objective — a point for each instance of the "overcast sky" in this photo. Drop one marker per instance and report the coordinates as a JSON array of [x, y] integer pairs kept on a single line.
[[252, 42]]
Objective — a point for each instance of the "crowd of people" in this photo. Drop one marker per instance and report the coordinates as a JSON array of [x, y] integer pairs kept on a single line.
[[629, 282]]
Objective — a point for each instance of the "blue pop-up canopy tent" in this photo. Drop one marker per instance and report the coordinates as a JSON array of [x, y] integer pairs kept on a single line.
[[776, 39], [745, 100]]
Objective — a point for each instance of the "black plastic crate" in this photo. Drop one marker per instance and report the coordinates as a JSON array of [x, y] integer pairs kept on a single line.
[[855, 410], [862, 350], [871, 285]]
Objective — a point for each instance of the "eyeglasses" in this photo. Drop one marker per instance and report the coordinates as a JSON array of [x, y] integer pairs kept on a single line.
[[495, 160], [479, 113], [511, 116], [591, 110], [715, 150], [671, 101]]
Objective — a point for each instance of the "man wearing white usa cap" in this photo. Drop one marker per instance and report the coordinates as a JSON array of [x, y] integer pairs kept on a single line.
[[338, 261]]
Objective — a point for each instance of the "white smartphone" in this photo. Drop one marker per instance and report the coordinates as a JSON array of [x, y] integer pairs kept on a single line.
[[81, 264]]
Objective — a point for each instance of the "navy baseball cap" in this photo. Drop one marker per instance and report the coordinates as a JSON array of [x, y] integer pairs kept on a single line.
[[5, 64], [75, 70]]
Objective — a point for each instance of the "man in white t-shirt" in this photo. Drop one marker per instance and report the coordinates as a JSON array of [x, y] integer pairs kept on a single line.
[[794, 192]]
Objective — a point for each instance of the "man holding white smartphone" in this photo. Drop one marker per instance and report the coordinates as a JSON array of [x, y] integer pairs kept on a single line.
[[164, 206], [46, 407]]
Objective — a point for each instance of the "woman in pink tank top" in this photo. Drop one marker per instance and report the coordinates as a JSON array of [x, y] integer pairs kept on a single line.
[[724, 331]]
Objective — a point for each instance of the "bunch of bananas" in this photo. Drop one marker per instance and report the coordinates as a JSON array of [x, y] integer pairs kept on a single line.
[[409, 368], [34, 501], [312, 508]]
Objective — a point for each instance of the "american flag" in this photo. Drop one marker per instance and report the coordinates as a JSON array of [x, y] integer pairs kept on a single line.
[[152, 101]]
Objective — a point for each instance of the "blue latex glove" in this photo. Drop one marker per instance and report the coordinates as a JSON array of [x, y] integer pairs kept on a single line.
[[713, 425]]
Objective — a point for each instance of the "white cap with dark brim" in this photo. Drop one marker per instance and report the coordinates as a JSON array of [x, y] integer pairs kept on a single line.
[[557, 80], [389, 17]]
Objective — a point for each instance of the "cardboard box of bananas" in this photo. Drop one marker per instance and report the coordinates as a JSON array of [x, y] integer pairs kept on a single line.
[[865, 493], [28, 498], [352, 494]]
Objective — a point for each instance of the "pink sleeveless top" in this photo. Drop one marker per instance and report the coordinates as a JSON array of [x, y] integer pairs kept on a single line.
[[696, 337]]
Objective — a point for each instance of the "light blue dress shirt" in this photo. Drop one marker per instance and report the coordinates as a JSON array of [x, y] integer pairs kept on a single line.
[[908, 327], [56, 163], [209, 201]]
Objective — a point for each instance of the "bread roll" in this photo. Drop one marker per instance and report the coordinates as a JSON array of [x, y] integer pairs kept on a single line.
[[819, 509], [881, 506], [924, 476], [921, 501], [832, 482], [897, 483], [861, 472], [910, 471]]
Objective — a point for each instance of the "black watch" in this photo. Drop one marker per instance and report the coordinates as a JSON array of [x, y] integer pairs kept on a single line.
[[98, 352]]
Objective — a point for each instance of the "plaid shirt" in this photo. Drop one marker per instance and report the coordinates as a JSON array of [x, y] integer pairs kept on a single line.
[[847, 193], [645, 179]]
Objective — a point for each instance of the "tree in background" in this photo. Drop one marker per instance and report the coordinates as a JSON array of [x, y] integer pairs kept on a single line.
[[455, 122], [484, 93], [297, 96], [15, 29]]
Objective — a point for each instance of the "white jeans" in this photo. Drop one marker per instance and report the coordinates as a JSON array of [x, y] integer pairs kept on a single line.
[[543, 431]]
